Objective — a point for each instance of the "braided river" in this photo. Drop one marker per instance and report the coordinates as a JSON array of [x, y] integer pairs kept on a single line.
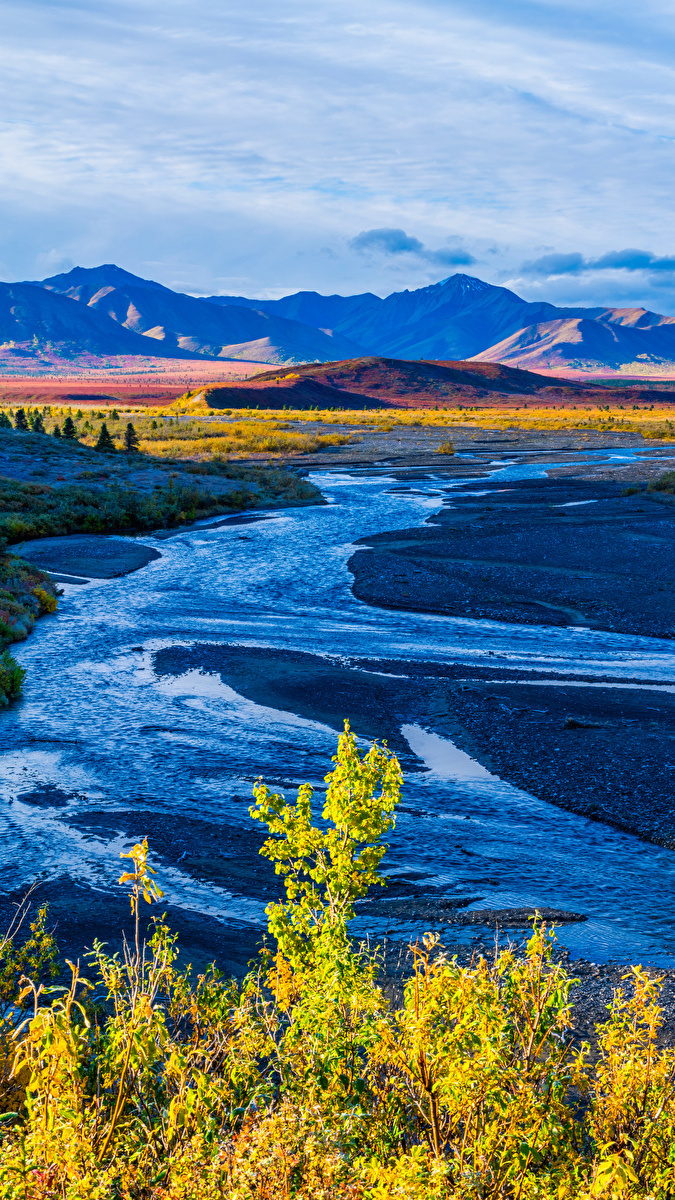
[[100, 727]]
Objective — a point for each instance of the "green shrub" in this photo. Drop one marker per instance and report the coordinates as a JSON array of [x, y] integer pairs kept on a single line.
[[665, 483], [304, 1080], [30, 510], [25, 593], [11, 678]]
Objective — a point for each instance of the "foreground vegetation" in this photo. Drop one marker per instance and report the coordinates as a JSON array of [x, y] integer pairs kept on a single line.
[[307, 1079], [32, 510], [665, 483], [25, 594]]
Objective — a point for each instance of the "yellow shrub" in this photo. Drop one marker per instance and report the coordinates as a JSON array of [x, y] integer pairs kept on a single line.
[[48, 603]]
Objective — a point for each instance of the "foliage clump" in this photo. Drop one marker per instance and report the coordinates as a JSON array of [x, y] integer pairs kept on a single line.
[[665, 483], [136, 1081], [25, 594], [33, 510]]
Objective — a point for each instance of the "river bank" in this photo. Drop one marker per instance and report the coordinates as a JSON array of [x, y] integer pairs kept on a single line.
[[549, 551], [566, 549]]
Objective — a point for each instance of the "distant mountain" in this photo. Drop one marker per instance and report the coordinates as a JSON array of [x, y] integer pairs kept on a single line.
[[460, 318], [465, 318], [181, 324], [454, 319], [616, 339], [36, 320]]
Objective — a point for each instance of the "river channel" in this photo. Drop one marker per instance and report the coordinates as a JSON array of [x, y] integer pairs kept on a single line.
[[100, 728]]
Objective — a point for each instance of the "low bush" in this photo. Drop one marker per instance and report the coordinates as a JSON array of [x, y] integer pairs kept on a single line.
[[138, 1082], [665, 483], [32, 510], [25, 594], [11, 678]]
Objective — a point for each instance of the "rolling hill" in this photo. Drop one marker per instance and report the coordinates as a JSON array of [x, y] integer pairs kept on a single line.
[[390, 383], [375, 382]]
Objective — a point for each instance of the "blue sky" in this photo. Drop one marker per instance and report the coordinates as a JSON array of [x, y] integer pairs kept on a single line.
[[282, 144]]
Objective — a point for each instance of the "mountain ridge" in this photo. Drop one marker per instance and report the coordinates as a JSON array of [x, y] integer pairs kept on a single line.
[[461, 318], [190, 325]]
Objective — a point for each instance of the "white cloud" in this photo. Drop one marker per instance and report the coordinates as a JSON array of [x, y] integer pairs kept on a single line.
[[244, 147]]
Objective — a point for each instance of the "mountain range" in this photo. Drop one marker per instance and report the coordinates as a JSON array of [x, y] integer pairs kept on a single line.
[[109, 311]]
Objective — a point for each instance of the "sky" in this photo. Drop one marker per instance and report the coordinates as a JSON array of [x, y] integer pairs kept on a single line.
[[262, 148]]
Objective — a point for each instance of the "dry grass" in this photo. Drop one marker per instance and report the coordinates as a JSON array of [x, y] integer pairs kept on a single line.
[[165, 433], [654, 422], [190, 430], [231, 439]]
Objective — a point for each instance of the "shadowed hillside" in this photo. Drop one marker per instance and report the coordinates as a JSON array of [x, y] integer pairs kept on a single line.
[[106, 310], [366, 383], [182, 324], [375, 382]]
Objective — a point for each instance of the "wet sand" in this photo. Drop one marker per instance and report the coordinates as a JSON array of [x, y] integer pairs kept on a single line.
[[561, 551], [86, 555], [604, 751], [564, 551]]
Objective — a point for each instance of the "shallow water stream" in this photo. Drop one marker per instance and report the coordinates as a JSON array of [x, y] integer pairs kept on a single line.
[[100, 727]]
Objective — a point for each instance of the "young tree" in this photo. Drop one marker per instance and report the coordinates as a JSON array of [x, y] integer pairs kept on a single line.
[[20, 421], [105, 441], [130, 439], [56, 431], [39, 425], [69, 430], [5, 422]]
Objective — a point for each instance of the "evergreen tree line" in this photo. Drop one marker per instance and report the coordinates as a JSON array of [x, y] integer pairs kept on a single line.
[[105, 443]]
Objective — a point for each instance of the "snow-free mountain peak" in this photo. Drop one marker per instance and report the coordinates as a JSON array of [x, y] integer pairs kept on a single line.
[[461, 317]]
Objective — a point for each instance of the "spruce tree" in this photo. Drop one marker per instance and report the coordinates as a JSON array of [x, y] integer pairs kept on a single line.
[[5, 422], [105, 441], [39, 425], [20, 421], [56, 431], [130, 439], [69, 430]]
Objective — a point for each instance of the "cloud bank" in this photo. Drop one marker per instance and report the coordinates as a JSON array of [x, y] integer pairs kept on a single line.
[[397, 241], [614, 260]]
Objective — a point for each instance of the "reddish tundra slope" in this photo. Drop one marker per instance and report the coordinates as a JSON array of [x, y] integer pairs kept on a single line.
[[373, 382]]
